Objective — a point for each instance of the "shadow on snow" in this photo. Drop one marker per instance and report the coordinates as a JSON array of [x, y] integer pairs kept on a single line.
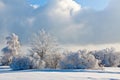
[[7, 70]]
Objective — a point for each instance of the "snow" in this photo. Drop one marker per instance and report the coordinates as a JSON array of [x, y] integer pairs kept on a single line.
[[107, 74]]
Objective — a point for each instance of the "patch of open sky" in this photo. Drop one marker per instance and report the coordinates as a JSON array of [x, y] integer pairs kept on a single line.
[[37, 2], [95, 4]]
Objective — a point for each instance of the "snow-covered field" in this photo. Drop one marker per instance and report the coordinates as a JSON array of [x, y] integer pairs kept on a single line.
[[107, 74]]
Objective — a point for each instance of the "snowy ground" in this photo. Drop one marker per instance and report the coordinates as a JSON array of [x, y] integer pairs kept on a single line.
[[107, 74]]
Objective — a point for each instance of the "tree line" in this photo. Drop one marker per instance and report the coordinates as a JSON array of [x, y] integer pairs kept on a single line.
[[45, 53]]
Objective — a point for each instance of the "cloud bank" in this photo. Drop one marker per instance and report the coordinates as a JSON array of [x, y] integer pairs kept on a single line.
[[65, 19]]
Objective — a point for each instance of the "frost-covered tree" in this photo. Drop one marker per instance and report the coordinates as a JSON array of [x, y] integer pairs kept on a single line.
[[43, 43], [36, 62], [12, 48]]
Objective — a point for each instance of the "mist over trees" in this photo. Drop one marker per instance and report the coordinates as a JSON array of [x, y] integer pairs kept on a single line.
[[46, 53]]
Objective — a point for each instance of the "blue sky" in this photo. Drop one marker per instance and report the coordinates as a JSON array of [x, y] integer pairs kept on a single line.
[[95, 4], [38, 2]]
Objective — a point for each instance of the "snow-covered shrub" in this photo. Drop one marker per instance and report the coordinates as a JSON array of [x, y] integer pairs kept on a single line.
[[69, 61], [108, 57], [20, 63], [79, 60], [53, 60], [12, 49], [114, 59], [36, 62]]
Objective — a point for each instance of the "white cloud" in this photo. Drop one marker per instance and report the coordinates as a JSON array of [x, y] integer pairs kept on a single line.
[[66, 19], [64, 7]]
